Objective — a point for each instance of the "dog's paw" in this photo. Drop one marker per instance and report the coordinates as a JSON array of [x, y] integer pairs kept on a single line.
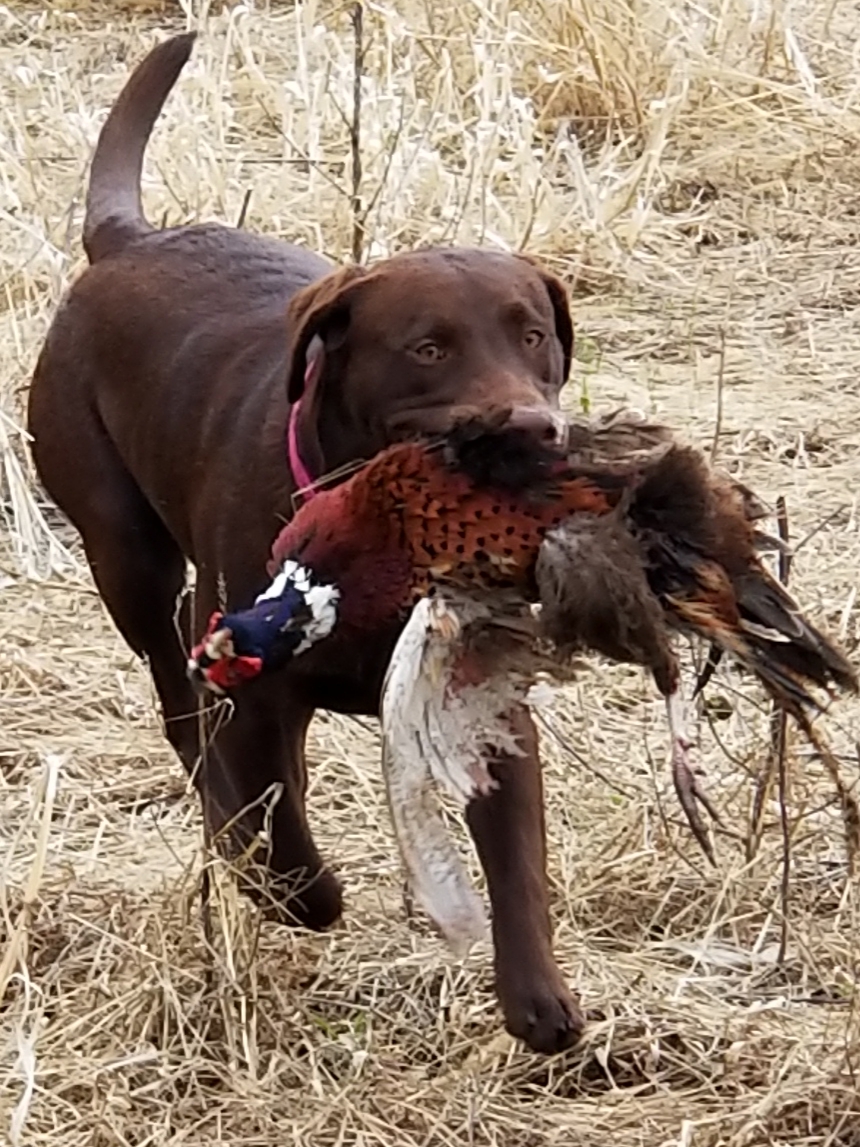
[[548, 1019], [317, 904]]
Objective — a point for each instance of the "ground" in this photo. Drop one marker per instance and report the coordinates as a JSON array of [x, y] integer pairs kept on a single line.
[[692, 172]]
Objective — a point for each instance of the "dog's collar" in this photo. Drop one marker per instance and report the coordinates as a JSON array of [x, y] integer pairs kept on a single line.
[[301, 475]]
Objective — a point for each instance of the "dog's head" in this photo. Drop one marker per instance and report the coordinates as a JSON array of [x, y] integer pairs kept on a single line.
[[422, 342]]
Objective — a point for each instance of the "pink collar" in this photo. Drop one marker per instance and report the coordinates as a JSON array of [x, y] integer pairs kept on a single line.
[[304, 482], [301, 475]]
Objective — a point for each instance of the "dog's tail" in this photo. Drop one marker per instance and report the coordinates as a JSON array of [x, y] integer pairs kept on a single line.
[[114, 213]]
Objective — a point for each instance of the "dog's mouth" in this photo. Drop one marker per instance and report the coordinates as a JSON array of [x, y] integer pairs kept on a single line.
[[541, 423]]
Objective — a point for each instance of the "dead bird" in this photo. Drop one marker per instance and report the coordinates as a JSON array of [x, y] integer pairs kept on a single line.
[[618, 541]]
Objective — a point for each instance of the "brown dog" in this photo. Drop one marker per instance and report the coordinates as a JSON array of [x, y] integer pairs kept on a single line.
[[160, 408]]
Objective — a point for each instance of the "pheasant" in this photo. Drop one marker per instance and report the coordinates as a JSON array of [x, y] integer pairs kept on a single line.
[[506, 558]]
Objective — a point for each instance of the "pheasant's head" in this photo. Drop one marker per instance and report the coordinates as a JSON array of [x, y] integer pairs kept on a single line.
[[293, 614]]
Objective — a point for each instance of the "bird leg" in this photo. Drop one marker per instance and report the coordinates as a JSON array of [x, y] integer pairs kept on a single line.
[[686, 783]]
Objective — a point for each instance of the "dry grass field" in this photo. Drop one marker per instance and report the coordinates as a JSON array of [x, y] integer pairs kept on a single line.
[[692, 169]]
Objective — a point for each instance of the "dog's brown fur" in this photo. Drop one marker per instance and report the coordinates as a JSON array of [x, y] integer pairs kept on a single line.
[[158, 411]]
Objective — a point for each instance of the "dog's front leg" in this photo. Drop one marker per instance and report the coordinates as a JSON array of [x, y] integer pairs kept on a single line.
[[254, 787], [509, 831]]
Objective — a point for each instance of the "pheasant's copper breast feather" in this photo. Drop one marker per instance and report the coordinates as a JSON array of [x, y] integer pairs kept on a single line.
[[452, 530]]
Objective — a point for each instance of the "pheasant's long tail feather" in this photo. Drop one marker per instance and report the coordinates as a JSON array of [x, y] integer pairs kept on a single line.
[[847, 799]]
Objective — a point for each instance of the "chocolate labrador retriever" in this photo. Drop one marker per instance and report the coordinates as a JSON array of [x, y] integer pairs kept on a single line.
[[192, 379]]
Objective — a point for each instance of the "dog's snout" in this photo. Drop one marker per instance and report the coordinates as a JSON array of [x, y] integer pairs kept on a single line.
[[548, 425]]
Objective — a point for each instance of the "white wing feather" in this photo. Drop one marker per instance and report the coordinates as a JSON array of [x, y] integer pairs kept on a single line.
[[414, 759], [436, 732]]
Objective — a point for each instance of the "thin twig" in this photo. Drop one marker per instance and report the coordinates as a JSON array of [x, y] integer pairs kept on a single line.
[[205, 885], [760, 795], [847, 800], [778, 729], [818, 528], [358, 218], [567, 746], [206, 874], [187, 598], [785, 554], [391, 151], [320, 166], [240, 222], [778, 725], [721, 372], [776, 755]]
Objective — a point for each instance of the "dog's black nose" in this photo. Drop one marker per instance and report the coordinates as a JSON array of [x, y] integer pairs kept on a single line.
[[548, 425]]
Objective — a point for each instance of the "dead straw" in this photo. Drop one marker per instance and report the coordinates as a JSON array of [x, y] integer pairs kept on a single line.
[[693, 172]]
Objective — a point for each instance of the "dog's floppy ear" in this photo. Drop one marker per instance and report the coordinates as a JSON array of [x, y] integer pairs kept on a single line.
[[560, 299], [318, 319]]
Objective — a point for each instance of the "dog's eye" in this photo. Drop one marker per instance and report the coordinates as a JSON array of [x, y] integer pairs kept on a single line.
[[533, 338], [428, 351]]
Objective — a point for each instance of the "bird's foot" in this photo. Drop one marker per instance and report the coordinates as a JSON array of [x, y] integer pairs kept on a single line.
[[685, 780]]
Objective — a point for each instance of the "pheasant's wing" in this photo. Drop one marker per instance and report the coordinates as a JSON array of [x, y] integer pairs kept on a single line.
[[415, 755], [699, 537], [595, 595], [752, 619]]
